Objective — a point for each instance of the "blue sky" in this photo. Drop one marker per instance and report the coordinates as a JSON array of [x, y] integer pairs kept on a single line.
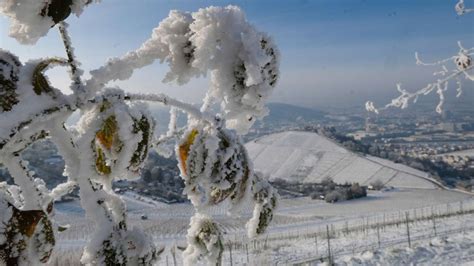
[[334, 52]]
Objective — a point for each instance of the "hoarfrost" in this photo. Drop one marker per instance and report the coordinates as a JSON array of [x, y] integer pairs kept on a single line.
[[112, 139], [32, 19]]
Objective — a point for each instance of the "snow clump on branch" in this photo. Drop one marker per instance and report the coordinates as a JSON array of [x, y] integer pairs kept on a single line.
[[243, 62], [32, 19]]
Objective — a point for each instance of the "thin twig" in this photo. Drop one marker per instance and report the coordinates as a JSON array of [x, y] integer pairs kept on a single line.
[[75, 71], [166, 100]]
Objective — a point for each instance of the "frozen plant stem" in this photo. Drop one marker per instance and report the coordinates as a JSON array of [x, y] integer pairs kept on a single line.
[[75, 71], [168, 101]]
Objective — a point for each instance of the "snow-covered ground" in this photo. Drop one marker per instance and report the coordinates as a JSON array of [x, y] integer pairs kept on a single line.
[[374, 243], [291, 237], [309, 157], [290, 213], [371, 230], [457, 248]]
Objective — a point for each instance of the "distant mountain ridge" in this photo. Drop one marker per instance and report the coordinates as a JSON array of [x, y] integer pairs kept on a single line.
[[280, 112]]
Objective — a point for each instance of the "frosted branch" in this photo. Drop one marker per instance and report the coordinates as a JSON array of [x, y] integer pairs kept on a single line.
[[461, 9], [243, 62], [32, 196], [463, 63], [168, 101], [173, 120], [421, 63], [75, 72], [462, 67]]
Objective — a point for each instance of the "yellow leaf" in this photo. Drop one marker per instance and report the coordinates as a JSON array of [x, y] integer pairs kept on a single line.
[[186, 146]]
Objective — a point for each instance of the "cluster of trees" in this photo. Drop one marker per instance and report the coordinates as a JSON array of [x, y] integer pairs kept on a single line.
[[327, 190], [160, 179], [335, 193]]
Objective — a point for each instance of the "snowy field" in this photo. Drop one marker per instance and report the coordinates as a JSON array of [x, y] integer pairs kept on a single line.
[[372, 230], [298, 224], [455, 248]]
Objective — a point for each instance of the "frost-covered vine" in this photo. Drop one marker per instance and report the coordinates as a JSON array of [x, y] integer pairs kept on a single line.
[[457, 68], [112, 139]]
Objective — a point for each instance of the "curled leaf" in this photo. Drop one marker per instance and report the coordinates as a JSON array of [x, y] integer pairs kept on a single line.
[[9, 69], [39, 81], [21, 227], [121, 148], [204, 241], [214, 163], [108, 140], [101, 163], [107, 135], [209, 234], [185, 147], [266, 199], [143, 126]]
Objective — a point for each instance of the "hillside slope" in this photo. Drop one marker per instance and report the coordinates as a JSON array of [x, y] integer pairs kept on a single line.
[[309, 157]]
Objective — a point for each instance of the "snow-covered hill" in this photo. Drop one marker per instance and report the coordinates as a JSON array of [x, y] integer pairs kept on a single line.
[[309, 157]]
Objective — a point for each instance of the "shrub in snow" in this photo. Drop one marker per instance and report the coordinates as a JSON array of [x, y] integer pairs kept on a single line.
[[357, 191], [112, 139], [377, 184], [345, 192], [328, 183], [335, 196]]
